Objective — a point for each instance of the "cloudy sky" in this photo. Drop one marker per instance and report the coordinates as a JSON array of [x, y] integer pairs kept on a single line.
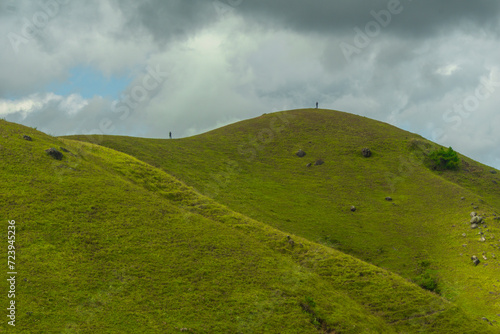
[[144, 68]]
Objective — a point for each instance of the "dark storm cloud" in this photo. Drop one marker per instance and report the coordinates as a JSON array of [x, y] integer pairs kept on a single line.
[[168, 19], [417, 18]]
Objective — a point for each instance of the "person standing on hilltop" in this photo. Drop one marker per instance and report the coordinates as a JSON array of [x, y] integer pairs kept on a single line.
[[316, 105], [170, 134]]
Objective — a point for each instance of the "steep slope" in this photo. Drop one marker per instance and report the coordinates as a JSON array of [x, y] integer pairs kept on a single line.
[[106, 243], [252, 168]]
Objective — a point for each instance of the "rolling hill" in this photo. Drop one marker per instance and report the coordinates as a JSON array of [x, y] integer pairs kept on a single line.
[[111, 243], [423, 233]]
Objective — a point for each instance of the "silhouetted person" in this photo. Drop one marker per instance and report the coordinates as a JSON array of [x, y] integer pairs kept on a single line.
[[170, 135], [316, 105]]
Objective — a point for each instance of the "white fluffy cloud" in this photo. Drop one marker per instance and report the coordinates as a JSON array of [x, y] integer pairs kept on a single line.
[[71, 104]]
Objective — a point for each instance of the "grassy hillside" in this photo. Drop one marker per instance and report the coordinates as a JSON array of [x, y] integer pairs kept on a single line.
[[252, 168], [106, 243]]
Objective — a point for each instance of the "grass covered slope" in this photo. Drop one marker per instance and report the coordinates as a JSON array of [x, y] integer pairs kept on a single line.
[[106, 243], [252, 168]]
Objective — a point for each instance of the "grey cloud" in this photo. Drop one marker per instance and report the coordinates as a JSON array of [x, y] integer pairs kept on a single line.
[[166, 20], [417, 19]]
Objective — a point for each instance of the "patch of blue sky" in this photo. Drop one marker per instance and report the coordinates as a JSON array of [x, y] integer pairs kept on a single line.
[[89, 82]]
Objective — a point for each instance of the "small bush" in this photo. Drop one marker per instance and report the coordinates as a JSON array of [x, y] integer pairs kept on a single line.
[[428, 281], [444, 159], [427, 278]]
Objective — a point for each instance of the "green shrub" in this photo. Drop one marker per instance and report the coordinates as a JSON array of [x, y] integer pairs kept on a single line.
[[444, 159], [428, 281], [427, 278]]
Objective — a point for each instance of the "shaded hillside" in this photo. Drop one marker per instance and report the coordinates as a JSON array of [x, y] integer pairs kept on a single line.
[[251, 167], [108, 244]]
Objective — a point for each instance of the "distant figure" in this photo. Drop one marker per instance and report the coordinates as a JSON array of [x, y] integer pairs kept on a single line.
[[170, 134], [316, 105]]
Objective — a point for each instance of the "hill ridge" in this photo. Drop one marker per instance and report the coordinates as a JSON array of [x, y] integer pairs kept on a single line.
[[307, 252], [137, 249], [251, 167]]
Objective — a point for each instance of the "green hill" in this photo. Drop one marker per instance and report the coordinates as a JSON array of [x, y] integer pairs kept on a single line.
[[423, 234], [106, 243]]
